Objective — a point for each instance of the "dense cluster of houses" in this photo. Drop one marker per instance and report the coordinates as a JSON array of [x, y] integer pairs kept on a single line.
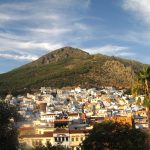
[[66, 116]]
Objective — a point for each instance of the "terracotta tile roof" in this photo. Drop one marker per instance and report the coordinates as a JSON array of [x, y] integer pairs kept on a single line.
[[26, 128], [46, 134], [61, 131], [52, 114], [85, 131], [73, 114]]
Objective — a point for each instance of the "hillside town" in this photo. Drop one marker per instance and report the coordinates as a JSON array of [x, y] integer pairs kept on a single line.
[[66, 116]]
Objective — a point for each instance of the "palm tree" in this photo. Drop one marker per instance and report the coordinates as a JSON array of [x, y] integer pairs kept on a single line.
[[144, 79], [142, 83], [136, 88]]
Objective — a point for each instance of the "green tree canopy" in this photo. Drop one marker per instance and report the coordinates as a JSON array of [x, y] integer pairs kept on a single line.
[[115, 136], [8, 132], [144, 78], [48, 146], [141, 86]]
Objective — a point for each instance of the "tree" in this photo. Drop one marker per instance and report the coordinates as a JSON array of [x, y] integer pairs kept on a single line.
[[50, 147], [8, 132], [141, 86], [115, 136], [138, 101], [144, 79]]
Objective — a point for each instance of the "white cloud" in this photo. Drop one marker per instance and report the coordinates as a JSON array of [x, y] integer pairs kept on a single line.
[[5, 17], [11, 44], [54, 31], [126, 54], [112, 50], [39, 25], [81, 26], [140, 8], [47, 9], [19, 57], [107, 49]]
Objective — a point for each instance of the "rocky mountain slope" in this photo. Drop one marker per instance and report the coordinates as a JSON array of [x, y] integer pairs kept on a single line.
[[70, 67]]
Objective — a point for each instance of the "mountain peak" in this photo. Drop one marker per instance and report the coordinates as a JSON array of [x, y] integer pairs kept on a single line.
[[61, 54], [70, 50]]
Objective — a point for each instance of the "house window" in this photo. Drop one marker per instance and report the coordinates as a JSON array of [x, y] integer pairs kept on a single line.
[[63, 138], [81, 138], [66, 138], [40, 142], [72, 139], [36, 143], [55, 139], [76, 138], [48, 141], [59, 139], [33, 142]]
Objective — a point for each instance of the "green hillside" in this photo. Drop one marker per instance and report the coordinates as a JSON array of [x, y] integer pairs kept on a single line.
[[70, 67]]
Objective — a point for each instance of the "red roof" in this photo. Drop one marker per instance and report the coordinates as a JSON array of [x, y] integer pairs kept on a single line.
[[52, 114], [61, 131], [26, 128], [85, 131], [46, 134], [73, 114]]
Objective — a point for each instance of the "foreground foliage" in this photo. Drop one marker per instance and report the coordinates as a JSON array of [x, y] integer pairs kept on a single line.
[[115, 136], [8, 132], [141, 87], [50, 147]]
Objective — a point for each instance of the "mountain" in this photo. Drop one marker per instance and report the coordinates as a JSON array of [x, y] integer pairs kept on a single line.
[[70, 67]]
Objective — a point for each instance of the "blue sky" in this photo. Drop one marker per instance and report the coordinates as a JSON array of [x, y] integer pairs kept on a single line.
[[32, 28]]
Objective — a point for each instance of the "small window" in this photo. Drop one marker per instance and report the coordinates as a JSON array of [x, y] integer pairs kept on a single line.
[[40, 142], [33, 142], [36, 143], [55, 139], [59, 139], [76, 138], [66, 138], [72, 139]]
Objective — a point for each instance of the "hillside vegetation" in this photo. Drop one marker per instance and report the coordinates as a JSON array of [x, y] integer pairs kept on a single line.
[[70, 67]]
